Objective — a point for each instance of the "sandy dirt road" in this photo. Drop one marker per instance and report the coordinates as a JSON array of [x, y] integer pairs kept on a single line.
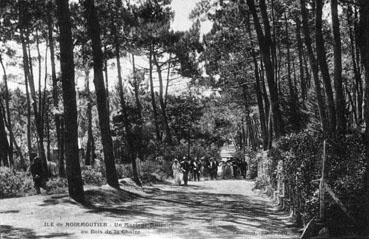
[[206, 209]]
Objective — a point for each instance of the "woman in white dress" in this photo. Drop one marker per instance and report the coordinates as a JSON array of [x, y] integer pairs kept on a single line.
[[177, 172]]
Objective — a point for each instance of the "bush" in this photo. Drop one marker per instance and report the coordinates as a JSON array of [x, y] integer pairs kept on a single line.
[[261, 183], [14, 183], [57, 185], [301, 154], [124, 170], [92, 176]]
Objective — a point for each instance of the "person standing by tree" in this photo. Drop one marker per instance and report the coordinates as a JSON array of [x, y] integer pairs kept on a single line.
[[185, 165], [37, 174], [196, 169], [243, 167], [213, 166]]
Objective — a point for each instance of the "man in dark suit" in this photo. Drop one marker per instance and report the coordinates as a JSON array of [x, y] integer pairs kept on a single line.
[[186, 166], [213, 169], [37, 174], [243, 167]]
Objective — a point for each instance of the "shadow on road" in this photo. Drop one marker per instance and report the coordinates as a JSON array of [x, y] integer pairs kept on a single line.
[[192, 212]]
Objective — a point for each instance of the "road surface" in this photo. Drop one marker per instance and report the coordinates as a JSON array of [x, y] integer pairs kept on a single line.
[[206, 209]]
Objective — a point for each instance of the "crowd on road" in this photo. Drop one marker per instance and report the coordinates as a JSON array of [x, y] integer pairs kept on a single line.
[[191, 169]]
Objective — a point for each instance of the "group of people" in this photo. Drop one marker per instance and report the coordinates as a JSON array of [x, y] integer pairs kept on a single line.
[[192, 169], [239, 166], [184, 170]]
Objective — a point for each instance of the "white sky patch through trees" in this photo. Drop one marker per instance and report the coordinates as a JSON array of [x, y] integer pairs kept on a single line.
[[181, 22]]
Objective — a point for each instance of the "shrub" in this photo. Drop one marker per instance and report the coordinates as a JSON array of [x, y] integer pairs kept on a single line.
[[14, 183], [124, 170], [92, 176], [261, 183], [302, 158], [57, 185]]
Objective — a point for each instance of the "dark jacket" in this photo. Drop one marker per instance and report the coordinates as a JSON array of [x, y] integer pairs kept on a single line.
[[186, 166]]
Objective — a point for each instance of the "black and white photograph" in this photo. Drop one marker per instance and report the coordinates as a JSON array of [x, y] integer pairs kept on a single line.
[[184, 119]]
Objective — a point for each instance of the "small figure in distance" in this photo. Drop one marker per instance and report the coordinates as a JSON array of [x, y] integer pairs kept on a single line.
[[213, 169], [177, 172], [196, 166], [37, 174], [243, 167], [185, 165]]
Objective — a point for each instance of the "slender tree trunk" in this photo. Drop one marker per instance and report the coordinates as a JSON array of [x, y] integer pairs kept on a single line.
[[266, 105], [29, 137], [139, 108], [90, 152], [8, 113], [259, 96], [23, 165], [358, 65], [356, 68], [127, 126], [168, 80], [340, 97], [314, 67], [295, 121], [69, 99], [168, 137], [94, 32], [106, 80], [4, 145], [59, 139], [27, 60], [364, 50], [300, 50], [264, 43], [26, 77], [45, 111], [322, 60], [153, 101]]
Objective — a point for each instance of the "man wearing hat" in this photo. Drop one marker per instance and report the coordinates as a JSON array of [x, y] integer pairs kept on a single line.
[[185, 165], [37, 174]]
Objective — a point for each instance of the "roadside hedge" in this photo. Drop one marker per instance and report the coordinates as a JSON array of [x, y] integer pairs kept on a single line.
[[301, 154]]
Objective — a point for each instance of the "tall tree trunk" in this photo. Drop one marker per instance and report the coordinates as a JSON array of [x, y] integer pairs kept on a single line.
[[268, 124], [94, 32], [106, 80], [153, 101], [8, 113], [356, 67], [300, 50], [29, 137], [129, 137], [293, 101], [340, 97], [26, 77], [265, 43], [314, 67], [322, 60], [90, 151], [45, 111], [69, 99], [4, 145], [23, 22], [168, 137], [139, 108], [259, 96], [55, 93], [364, 50]]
